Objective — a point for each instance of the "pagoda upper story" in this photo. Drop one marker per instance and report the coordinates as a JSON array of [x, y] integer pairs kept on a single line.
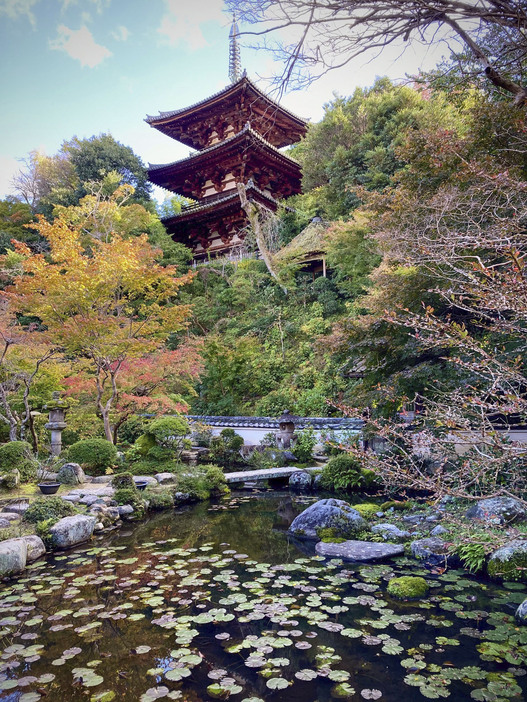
[[238, 134], [227, 112]]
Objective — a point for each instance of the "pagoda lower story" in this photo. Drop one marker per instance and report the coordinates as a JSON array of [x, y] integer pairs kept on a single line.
[[216, 226]]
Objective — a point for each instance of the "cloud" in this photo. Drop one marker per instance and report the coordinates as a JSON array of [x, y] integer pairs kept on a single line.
[[80, 45], [121, 33], [18, 8], [98, 3], [182, 21]]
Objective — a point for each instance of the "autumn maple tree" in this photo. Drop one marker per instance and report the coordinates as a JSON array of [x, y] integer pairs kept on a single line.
[[106, 304]]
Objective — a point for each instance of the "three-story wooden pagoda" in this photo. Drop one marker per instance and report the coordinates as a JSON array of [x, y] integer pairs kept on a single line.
[[238, 134]]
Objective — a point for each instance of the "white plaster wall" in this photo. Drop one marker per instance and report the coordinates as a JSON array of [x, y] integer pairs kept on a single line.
[[253, 435]]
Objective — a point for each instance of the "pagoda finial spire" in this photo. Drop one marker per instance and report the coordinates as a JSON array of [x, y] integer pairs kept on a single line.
[[235, 64]]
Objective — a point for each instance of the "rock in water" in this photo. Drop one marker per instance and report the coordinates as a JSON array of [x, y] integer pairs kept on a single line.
[[521, 613], [432, 550], [71, 531], [498, 510], [71, 474], [300, 480], [327, 514], [35, 547], [363, 551], [13, 556], [510, 561]]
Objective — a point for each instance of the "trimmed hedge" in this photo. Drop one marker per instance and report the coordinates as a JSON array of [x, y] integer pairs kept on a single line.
[[96, 455]]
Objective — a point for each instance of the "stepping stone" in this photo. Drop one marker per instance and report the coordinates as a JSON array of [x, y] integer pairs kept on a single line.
[[362, 551]]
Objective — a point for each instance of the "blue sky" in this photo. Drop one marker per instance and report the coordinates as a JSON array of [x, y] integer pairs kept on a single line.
[[83, 67]]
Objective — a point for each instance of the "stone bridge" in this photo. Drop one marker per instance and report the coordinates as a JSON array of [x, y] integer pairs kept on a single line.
[[242, 476]]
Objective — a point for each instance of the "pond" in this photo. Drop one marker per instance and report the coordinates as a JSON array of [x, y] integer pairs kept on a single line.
[[215, 602]]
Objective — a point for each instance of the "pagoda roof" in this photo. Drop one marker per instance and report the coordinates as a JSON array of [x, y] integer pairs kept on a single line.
[[215, 206], [175, 123], [173, 176]]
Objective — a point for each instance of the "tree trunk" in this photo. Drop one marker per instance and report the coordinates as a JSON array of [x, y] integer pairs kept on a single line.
[[253, 214]]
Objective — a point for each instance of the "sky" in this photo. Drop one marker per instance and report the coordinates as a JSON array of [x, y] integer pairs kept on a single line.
[[86, 67]]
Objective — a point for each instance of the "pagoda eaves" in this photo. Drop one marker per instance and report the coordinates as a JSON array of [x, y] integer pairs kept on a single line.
[[219, 167], [216, 117]]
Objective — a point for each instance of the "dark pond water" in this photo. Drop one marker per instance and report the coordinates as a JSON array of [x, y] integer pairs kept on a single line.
[[216, 602]]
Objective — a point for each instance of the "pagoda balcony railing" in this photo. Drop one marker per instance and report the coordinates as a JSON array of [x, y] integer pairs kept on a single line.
[[231, 257]]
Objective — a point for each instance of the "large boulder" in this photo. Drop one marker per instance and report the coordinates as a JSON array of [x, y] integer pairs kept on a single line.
[[34, 545], [71, 474], [70, 531], [300, 480], [521, 613], [362, 551], [164, 478], [13, 556], [510, 561], [498, 510], [333, 514]]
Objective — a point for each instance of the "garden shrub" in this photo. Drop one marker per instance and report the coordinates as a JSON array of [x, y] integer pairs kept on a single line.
[[48, 508], [96, 455], [123, 480], [18, 454], [267, 458], [202, 482], [202, 434], [304, 445], [225, 448], [344, 472], [130, 496], [159, 499], [42, 529], [131, 430], [163, 441]]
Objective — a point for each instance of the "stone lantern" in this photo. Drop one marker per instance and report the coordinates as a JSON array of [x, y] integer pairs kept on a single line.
[[57, 412], [286, 435]]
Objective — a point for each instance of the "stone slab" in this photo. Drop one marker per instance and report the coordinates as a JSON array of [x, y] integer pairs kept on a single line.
[[359, 551]]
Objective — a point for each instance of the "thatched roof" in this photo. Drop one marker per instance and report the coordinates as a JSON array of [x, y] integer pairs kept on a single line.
[[309, 241]]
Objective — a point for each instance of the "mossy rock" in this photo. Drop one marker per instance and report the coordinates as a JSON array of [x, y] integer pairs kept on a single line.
[[509, 562], [408, 587], [329, 535], [397, 505], [367, 510], [10, 480]]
